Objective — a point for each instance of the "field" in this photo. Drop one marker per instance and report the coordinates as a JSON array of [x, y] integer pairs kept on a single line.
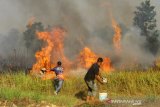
[[23, 90]]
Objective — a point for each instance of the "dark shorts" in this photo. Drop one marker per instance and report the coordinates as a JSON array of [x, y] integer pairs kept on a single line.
[[92, 88]]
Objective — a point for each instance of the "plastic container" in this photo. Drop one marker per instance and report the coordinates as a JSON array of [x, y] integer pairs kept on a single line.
[[102, 96], [104, 80]]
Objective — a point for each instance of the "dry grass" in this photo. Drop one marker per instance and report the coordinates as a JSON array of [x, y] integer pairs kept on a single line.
[[120, 85]]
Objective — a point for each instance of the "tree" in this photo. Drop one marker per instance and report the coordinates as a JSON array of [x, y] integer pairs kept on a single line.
[[32, 43], [145, 20]]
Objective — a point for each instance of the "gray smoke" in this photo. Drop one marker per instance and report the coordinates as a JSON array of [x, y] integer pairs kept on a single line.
[[11, 42], [87, 23], [133, 51]]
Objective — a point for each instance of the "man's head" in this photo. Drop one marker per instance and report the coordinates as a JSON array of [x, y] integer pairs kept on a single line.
[[99, 61], [59, 63]]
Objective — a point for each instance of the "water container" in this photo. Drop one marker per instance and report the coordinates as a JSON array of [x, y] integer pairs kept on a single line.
[[102, 96]]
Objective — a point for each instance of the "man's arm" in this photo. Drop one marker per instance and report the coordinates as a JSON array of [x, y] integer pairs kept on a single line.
[[99, 79], [100, 75], [53, 69]]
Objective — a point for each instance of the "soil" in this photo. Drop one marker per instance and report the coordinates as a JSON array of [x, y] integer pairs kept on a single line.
[[31, 103], [25, 103]]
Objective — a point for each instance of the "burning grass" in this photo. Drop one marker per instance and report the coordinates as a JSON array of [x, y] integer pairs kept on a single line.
[[120, 84]]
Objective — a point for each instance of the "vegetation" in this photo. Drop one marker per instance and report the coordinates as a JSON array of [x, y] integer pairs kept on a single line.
[[32, 43], [145, 20], [120, 85]]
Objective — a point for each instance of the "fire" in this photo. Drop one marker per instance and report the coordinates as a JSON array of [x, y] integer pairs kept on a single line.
[[117, 36], [48, 75], [31, 21], [106, 66], [43, 57], [58, 50], [53, 51], [87, 58]]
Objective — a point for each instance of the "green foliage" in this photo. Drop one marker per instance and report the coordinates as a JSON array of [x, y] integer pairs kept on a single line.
[[9, 94], [145, 20]]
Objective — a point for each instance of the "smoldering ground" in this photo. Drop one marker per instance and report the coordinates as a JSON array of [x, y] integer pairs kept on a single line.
[[87, 23]]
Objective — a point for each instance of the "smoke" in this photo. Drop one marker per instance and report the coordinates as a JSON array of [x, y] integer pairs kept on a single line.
[[87, 23], [133, 51], [10, 42]]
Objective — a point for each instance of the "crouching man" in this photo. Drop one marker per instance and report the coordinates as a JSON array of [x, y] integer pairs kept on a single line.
[[58, 81], [90, 77]]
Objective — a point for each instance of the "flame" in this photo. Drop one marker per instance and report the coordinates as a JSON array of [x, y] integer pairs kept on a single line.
[[87, 58], [31, 21], [58, 50], [48, 75], [43, 57], [106, 65], [117, 36], [53, 51]]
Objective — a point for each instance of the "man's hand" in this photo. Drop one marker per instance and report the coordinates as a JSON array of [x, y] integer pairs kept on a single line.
[[104, 80], [99, 79]]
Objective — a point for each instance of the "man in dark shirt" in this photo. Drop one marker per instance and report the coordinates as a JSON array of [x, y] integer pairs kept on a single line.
[[91, 75]]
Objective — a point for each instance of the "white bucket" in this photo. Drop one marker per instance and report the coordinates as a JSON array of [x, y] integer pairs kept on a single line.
[[102, 96]]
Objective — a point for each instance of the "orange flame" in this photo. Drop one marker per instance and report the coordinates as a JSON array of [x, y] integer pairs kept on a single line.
[[43, 57], [117, 36], [106, 65], [31, 21], [58, 50], [117, 30], [54, 50], [87, 58]]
